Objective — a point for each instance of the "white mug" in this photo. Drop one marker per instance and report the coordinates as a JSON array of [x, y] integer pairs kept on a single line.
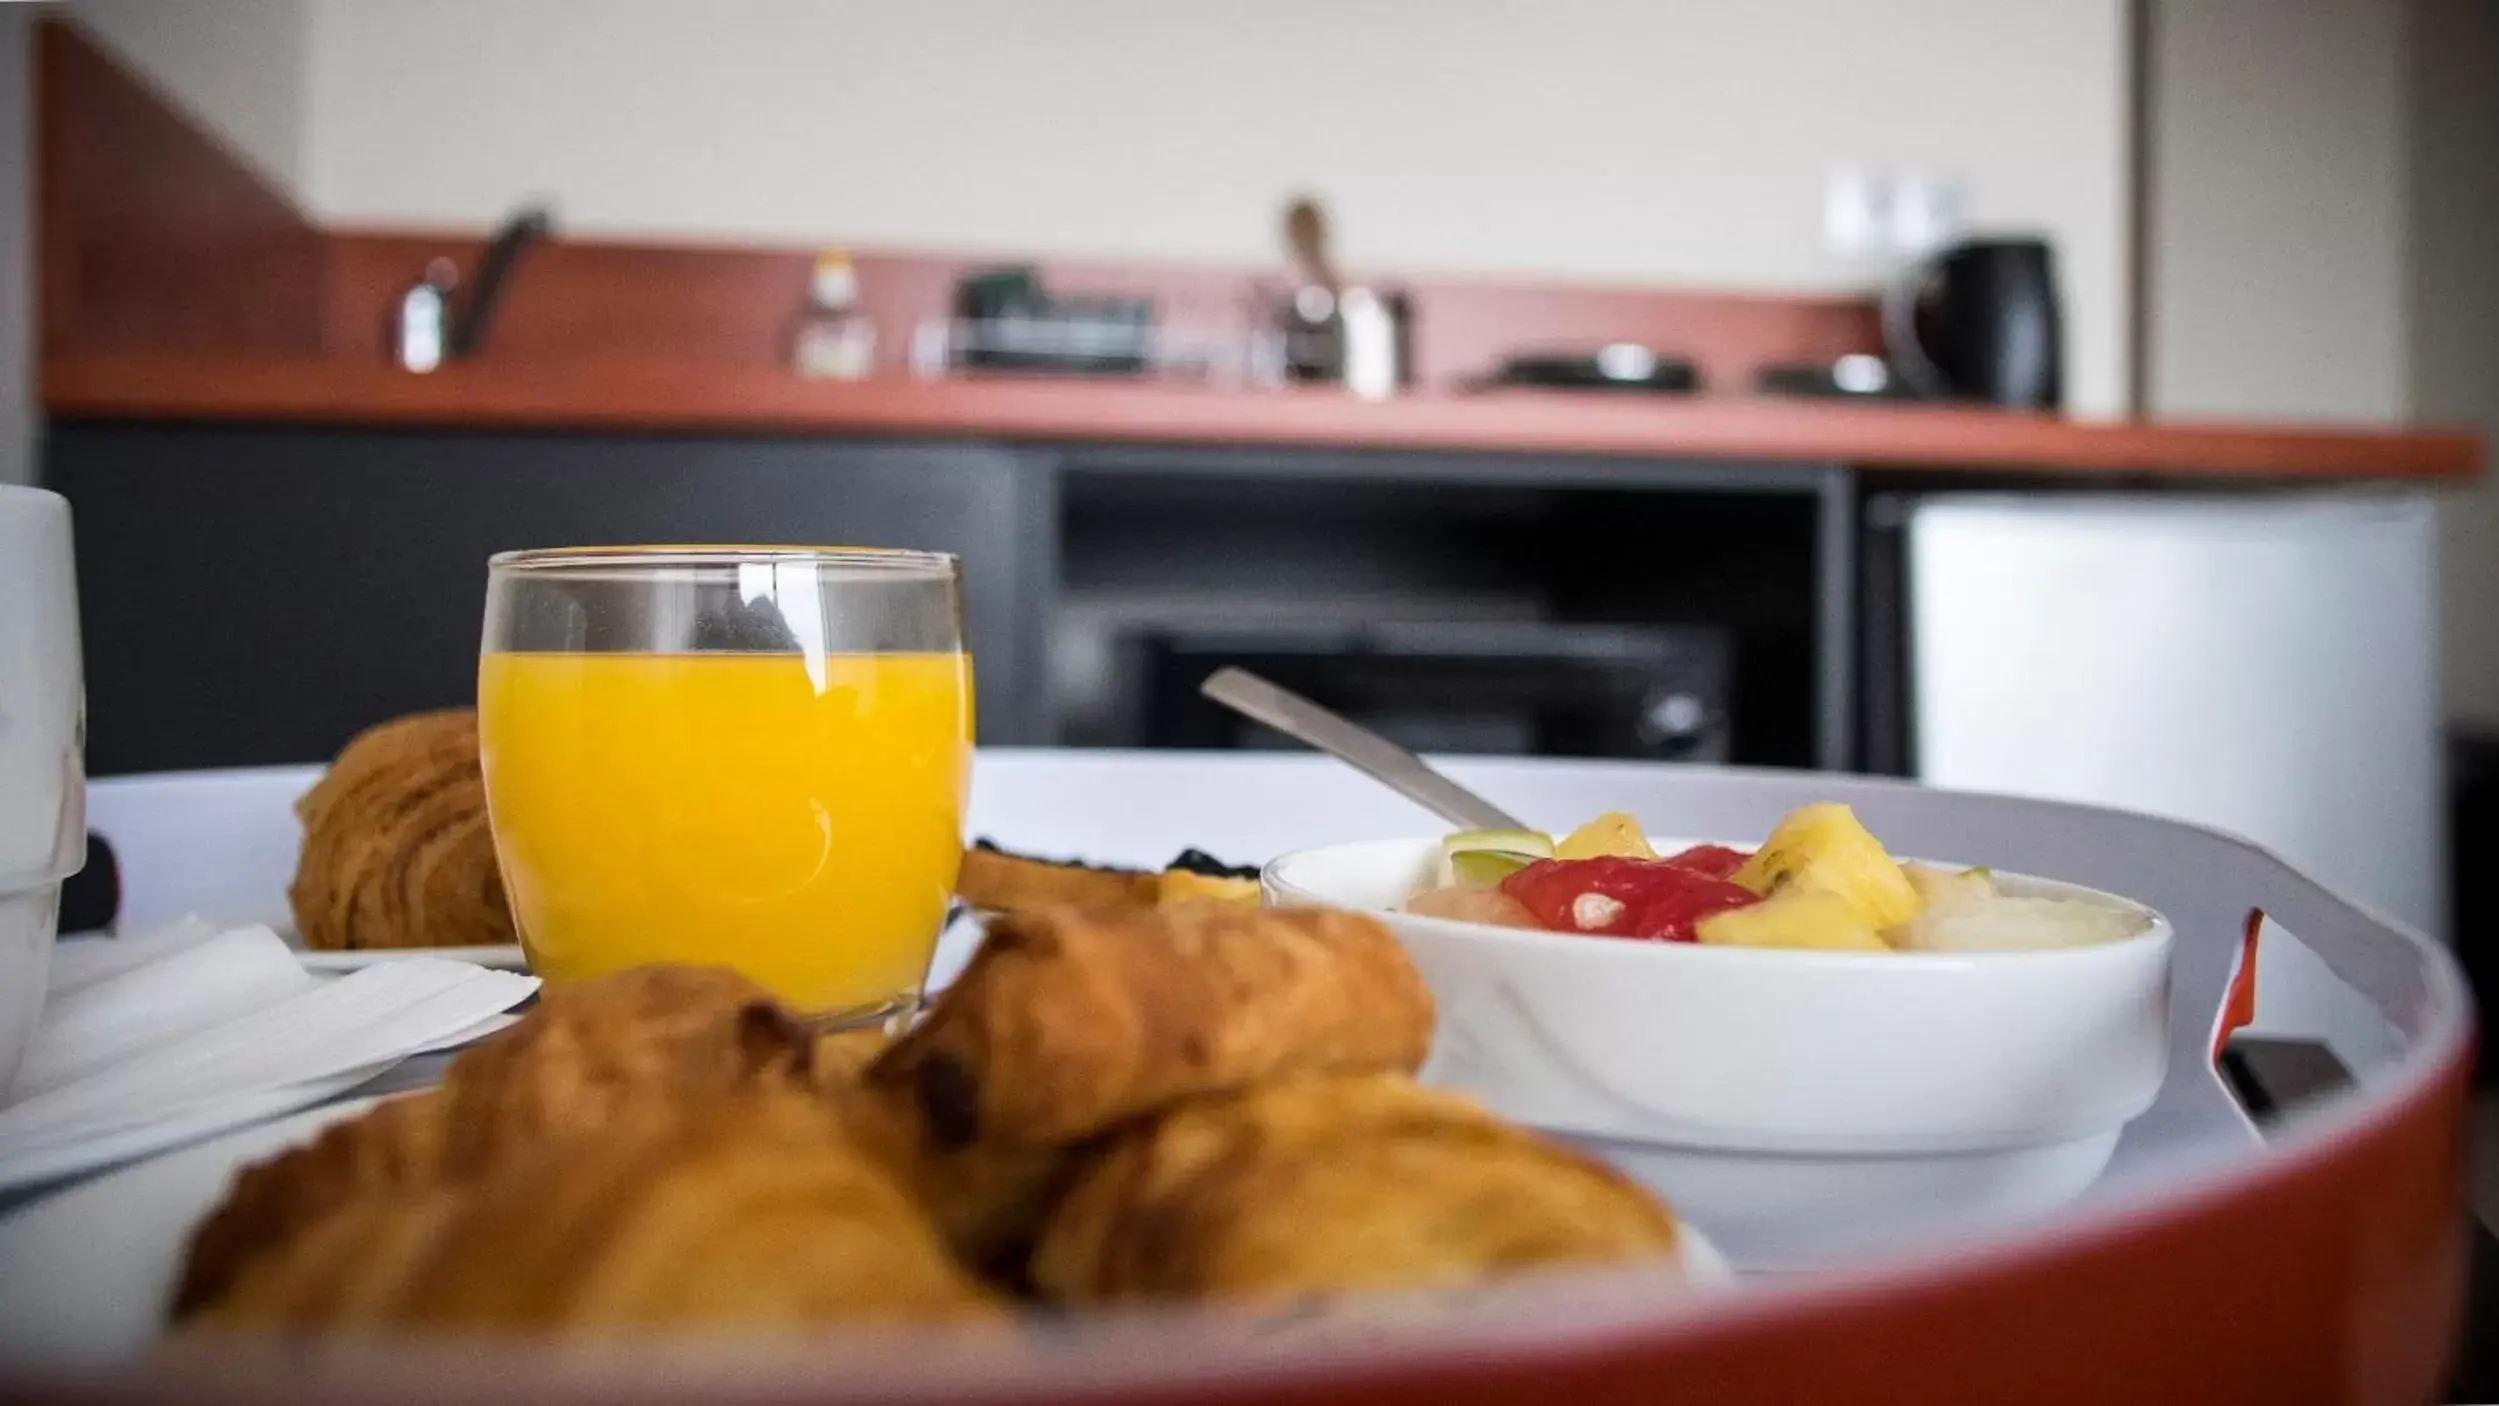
[[43, 788]]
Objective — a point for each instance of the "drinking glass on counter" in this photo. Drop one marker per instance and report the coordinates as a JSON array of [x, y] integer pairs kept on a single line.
[[751, 757]]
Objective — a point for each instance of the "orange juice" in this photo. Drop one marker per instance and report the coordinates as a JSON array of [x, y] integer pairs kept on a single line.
[[797, 818]]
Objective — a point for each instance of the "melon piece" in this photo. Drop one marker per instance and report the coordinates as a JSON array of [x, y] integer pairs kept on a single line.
[[2016, 924]]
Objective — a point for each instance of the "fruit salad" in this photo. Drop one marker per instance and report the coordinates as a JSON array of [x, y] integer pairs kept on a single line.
[[1821, 881]]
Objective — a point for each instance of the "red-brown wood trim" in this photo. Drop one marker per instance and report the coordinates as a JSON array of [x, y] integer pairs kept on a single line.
[[629, 395], [151, 235], [55, 58]]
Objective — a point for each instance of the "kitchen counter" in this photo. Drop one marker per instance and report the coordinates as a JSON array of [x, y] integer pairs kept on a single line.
[[655, 396]]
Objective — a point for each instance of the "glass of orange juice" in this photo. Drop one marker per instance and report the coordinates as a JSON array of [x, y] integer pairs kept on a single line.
[[751, 757]]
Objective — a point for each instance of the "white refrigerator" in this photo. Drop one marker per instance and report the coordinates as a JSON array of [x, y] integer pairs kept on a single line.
[[2263, 664]]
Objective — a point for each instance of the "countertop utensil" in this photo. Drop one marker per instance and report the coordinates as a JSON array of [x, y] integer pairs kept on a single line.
[[494, 269], [1356, 334], [1356, 746], [1617, 366], [1306, 235]]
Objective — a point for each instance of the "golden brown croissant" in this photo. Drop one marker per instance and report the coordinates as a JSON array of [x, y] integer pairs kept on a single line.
[[590, 1052], [998, 881], [592, 1048], [397, 851], [987, 1199], [1067, 1023], [841, 1058], [392, 1150], [1315, 1186], [751, 1211]]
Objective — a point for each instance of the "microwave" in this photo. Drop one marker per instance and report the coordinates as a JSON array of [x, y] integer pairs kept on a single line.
[[1522, 688]]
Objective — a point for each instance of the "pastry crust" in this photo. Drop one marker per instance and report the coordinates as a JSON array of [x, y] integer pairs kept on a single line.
[[1067, 1023], [593, 1050], [1203, 1100], [997, 881], [1319, 1186], [394, 1150], [589, 1054], [397, 851], [752, 1212], [1000, 881], [986, 1198]]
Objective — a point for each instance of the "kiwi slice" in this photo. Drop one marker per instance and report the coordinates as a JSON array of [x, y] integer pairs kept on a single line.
[[1483, 858]]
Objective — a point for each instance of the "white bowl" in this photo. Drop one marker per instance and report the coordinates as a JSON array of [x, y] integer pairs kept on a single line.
[[1781, 1097]]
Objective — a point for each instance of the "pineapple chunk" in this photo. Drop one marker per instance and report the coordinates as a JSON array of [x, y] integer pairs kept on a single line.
[[1822, 849], [1612, 835], [1795, 917], [1183, 886]]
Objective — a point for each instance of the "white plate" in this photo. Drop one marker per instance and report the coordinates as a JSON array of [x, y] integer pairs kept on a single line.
[[506, 958], [961, 934], [85, 1275]]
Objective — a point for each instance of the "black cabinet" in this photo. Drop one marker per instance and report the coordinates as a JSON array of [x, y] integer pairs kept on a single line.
[[256, 595]]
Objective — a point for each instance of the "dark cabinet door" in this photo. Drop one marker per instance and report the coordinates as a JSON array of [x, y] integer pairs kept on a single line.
[[254, 595]]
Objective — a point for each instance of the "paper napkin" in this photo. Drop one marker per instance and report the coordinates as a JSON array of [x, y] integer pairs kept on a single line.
[[147, 1029]]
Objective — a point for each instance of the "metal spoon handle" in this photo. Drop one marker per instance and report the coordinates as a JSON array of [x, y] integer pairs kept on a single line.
[[1356, 746]]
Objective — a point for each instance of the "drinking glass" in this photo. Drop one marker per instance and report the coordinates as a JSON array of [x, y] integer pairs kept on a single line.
[[750, 757]]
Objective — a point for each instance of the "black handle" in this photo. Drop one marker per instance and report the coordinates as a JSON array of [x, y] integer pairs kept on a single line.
[[493, 270], [91, 898]]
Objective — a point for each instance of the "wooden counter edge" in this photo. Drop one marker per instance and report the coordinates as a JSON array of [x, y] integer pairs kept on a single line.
[[695, 398]]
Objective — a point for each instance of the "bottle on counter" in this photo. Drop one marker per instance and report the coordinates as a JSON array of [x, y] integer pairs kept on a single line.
[[835, 339], [421, 324]]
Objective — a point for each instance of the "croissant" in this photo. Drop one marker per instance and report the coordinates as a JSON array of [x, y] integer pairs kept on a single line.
[[751, 1211], [987, 1199], [1067, 1023], [391, 1150], [1316, 1186], [397, 851], [999, 881], [593, 1048], [588, 1054]]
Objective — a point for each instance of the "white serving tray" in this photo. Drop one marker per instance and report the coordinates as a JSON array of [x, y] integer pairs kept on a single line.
[[2362, 1180], [222, 844]]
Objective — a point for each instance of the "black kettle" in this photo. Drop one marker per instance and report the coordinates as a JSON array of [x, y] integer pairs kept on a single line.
[[1978, 321]]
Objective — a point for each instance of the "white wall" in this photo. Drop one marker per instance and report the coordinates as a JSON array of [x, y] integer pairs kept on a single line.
[[2453, 314], [2274, 257], [17, 290], [1684, 143], [239, 66]]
